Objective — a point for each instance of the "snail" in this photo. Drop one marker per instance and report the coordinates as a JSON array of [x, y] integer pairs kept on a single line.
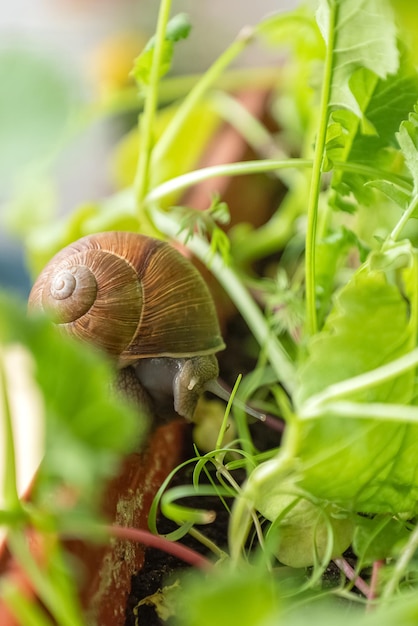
[[145, 305]]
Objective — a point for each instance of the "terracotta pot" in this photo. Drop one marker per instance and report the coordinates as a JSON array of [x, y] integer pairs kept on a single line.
[[127, 502]]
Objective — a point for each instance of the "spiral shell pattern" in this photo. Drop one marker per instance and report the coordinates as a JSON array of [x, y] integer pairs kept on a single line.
[[71, 293], [131, 295]]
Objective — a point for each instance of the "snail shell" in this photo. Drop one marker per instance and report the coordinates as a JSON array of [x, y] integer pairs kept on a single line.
[[131, 295]]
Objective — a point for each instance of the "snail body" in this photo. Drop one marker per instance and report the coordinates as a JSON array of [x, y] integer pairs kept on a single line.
[[140, 301]]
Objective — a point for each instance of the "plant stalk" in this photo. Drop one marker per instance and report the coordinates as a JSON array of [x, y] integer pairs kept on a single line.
[[394, 236], [146, 121], [311, 235], [228, 169]]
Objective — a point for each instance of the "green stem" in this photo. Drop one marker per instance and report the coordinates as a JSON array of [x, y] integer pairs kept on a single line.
[[224, 424], [10, 490], [226, 276], [379, 411], [229, 169], [404, 218], [174, 129], [312, 321], [208, 543], [361, 383], [146, 122]]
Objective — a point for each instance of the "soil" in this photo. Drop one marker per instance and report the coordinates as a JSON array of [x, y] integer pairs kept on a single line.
[[159, 567]]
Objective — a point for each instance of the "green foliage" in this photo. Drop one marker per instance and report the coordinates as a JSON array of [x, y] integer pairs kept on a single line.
[[408, 141], [205, 224], [356, 57], [379, 537]]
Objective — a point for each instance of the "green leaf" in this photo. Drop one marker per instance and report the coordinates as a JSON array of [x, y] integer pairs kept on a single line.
[[356, 336], [362, 464], [177, 28], [390, 103], [346, 26], [380, 537], [86, 427], [309, 532], [392, 191], [408, 140]]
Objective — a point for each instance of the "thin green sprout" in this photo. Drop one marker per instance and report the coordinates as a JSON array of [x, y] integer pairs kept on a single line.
[[224, 424], [208, 543]]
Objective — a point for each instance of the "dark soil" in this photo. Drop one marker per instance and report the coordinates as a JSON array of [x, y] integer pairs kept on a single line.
[[160, 567]]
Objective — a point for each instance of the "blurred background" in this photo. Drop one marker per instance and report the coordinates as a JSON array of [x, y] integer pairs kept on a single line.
[[58, 55]]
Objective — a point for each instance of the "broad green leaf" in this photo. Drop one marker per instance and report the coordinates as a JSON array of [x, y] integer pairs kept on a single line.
[[308, 532], [346, 27], [357, 337], [390, 103], [362, 464], [372, 88], [254, 597]]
